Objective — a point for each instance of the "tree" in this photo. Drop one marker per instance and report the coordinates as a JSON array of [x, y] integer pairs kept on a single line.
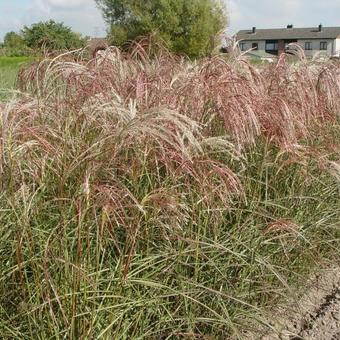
[[14, 45], [13, 40], [51, 35], [187, 26]]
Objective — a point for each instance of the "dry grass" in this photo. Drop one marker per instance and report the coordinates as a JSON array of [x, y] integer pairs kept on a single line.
[[145, 196]]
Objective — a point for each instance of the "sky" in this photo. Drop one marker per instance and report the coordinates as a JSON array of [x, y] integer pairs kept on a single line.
[[84, 17]]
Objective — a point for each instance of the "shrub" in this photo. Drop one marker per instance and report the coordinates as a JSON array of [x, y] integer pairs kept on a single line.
[[51, 36]]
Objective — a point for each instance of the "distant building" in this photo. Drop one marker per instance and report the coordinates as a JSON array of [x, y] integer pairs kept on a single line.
[[322, 40]]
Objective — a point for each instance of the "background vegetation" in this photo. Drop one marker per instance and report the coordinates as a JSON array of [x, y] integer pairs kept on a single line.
[[9, 68], [15, 46], [51, 36], [40, 38], [155, 198], [188, 27]]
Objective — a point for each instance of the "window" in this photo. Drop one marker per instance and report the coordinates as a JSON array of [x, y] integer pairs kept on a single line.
[[308, 46], [271, 45], [323, 45], [255, 46], [243, 46]]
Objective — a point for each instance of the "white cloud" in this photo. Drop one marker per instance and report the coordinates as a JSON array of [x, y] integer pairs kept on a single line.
[[82, 15], [68, 3], [234, 10], [268, 13]]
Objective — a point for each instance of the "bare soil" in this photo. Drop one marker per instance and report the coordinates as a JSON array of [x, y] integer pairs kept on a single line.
[[311, 315]]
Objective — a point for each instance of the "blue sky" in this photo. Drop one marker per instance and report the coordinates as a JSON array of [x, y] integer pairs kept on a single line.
[[279, 13], [84, 17], [81, 15]]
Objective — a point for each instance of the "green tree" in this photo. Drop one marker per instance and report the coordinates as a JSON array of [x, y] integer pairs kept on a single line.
[[15, 46], [51, 35], [187, 26], [13, 40]]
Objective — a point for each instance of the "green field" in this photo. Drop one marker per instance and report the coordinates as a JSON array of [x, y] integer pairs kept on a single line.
[[9, 67]]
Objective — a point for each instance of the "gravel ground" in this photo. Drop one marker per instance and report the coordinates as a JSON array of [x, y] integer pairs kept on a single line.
[[313, 315]]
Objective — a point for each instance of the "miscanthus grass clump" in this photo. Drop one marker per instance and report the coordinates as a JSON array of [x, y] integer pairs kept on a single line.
[[147, 197]]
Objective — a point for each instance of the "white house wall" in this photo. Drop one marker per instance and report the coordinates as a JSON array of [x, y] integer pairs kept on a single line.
[[332, 46], [337, 46], [316, 47], [248, 45], [262, 45]]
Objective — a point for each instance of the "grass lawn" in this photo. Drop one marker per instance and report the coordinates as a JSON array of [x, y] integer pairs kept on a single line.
[[9, 67]]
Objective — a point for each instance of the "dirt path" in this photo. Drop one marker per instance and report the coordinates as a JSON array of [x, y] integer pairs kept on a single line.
[[314, 315]]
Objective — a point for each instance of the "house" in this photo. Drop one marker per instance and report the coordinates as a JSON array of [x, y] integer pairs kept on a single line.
[[322, 40]]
